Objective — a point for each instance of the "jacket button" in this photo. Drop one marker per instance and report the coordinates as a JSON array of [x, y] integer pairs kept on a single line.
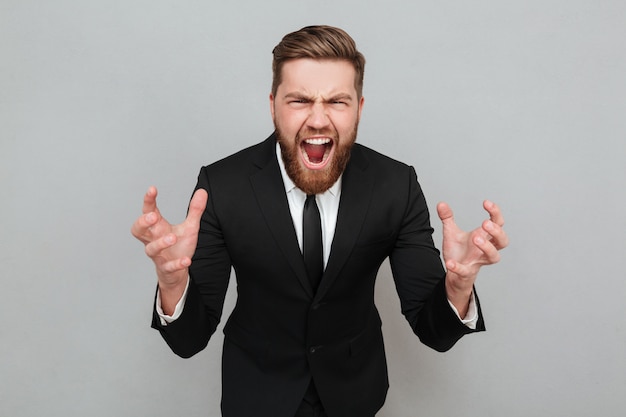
[[314, 349]]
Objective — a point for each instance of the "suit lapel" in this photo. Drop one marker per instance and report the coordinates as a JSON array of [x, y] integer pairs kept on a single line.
[[356, 196], [270, 193]]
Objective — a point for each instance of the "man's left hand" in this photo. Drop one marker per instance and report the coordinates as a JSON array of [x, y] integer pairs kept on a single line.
[[464, 253]]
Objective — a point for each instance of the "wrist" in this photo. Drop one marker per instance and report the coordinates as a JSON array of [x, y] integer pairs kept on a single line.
[[459, 293], [171, 291], [171, 281]]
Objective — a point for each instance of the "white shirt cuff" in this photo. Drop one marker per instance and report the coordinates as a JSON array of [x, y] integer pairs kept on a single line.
[[178, 310], [471, 318]]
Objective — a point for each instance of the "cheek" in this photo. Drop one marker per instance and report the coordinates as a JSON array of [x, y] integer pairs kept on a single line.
[[345, 124], [289, 121]]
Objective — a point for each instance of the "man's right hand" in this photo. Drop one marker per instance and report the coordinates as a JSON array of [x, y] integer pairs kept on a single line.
[[170, 246]]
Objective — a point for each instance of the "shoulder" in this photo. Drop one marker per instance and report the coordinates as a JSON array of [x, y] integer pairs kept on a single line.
[[234, 171], [255, 154], [368, 158], [245, 161], [391, 179]]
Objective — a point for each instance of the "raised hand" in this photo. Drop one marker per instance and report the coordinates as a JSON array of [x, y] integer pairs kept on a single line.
[[464, 253], [170, 246]]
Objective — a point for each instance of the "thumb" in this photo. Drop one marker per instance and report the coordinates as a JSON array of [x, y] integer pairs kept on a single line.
[[445, 213], [197, 205]]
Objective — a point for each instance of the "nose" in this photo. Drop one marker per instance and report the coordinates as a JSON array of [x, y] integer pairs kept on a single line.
[[318, 118]]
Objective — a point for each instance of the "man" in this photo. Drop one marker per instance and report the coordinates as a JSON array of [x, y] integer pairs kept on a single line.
[[304, 337]]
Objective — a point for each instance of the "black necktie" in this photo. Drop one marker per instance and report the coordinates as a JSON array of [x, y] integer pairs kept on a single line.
[[312, 241]]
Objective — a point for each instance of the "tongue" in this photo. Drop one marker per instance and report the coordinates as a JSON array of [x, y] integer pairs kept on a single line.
[[315, 152]]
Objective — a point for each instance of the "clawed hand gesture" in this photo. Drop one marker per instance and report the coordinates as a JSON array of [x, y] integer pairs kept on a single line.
[[464, 253], [170, 246]]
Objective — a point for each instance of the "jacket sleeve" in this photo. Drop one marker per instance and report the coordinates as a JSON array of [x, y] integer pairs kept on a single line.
[[420, 277], [209, 276]]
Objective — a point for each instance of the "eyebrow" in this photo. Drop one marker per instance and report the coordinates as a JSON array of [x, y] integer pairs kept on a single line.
[[338, 96]]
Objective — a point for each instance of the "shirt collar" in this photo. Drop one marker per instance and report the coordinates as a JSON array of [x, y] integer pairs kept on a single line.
[[290, 186]]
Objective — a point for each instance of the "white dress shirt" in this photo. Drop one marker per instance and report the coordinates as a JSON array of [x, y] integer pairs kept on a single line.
[[328, 204]]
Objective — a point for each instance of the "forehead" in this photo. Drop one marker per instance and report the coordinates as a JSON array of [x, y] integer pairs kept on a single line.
[[318, 76]]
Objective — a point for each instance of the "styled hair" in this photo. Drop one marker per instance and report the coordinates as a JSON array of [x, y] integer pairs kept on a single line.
[[319, 43]]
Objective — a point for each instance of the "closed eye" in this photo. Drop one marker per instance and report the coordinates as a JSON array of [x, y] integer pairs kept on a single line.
[[298, 101], [340, 101]]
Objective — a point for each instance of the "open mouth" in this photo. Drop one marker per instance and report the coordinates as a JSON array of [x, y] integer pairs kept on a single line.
[[316, 152]]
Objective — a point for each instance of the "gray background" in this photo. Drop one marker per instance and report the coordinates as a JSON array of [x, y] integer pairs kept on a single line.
[[522, 102]]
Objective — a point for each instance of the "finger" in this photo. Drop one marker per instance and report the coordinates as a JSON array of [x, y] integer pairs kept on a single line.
[[197, 205], [141, 227], [155, 247], [494, 212], [489, 229], [459, 269], [175, 265], [445, 212], [496, 234], [149, 200], [492, 255]]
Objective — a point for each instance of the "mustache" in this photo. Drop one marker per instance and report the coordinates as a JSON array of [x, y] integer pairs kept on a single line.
[[307, 133]]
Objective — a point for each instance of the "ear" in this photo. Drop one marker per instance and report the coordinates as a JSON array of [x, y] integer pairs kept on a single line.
[[272, 105], [361, 103]]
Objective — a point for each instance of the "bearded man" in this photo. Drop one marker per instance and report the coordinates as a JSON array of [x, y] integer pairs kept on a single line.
[[305, 219]]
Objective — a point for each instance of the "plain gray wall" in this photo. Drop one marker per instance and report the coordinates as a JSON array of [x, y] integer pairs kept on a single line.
[[522, 102]]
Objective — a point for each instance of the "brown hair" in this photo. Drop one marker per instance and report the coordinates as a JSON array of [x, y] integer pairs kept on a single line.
[[318, 42]]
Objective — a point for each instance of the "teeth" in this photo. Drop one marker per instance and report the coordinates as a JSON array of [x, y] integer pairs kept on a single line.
[[317, 141]]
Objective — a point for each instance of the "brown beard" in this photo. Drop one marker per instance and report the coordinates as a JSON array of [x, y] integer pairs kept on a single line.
[[315, 182]]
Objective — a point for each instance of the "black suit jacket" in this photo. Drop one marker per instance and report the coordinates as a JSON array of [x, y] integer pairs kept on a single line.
[[280, 333]]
